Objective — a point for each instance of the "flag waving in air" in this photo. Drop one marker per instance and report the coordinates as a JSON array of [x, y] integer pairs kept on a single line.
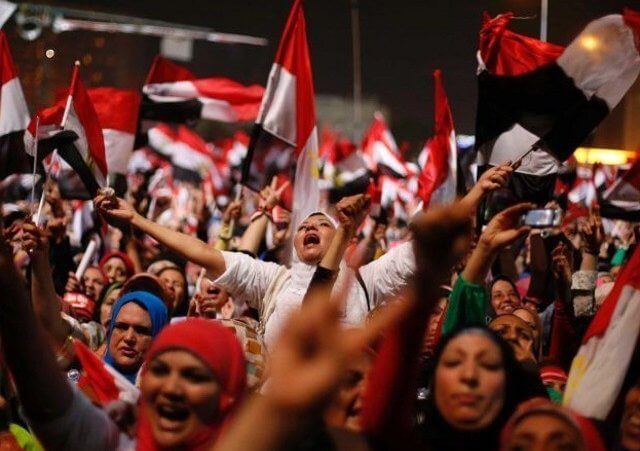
[[173, 94], [72, 128], [381, 151], [622, 199], [14, 116], [532, 93], [607, 347], [437, 181], [285, 133]]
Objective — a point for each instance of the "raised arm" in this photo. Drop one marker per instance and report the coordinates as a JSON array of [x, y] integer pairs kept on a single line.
[[118, 210], [351, 211], [501, 231], [491, 180], [43, 295], [269, 198], [44, 392]]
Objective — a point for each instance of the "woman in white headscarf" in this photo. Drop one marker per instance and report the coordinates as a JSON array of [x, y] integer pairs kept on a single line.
[[273, 289]]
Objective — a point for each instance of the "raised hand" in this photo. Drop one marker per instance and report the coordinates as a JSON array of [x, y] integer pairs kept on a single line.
[[34, 239], [495, 178], [592, 232], [232, 212], [270, 195], [114, 209], [505, 228], [313, 351], [352, 210], [561, 263]]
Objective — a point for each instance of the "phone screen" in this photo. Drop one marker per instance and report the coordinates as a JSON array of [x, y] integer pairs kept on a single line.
[[544, 217]]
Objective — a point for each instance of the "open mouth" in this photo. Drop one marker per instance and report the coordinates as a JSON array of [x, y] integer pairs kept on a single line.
[[311, 239], [171, 416]]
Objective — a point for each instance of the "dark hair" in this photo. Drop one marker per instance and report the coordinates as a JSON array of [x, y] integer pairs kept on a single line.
[[441, 435], [101, 297], [507, 279]]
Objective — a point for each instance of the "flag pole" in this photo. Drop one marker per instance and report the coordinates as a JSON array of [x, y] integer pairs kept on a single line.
[[518, 161], [357, 71], [67, 107], [65, 115], [35, 166]]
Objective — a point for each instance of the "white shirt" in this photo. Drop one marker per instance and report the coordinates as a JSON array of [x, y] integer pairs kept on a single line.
[[248, 278]]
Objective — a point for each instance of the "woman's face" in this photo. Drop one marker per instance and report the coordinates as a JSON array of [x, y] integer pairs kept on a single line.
[[517, 333], [344, 411], [181, 395], [630, 428], [429, 341], [131, 337], [93, 282], [528, 317], [173, 282], [312, 238], [115, 270], [107, 305], [470, 382], [544, 431]]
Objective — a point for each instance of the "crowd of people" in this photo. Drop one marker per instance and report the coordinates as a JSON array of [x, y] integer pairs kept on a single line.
[[224, 326]]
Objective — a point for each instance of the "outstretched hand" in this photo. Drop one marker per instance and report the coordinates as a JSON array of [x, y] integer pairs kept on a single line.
[[314, 349], [442, 238], [505, 227], [114, 210]]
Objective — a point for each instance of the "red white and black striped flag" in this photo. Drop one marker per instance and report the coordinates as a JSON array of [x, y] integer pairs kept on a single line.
[[381, 151], [14, 116], [622, 199], [173, 94], [285, 133], [533, 93], [437, 180], [72, 127]]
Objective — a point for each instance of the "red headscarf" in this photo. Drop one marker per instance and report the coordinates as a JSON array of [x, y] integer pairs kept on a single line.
[[219, 349], [587, 430], [128, 263]]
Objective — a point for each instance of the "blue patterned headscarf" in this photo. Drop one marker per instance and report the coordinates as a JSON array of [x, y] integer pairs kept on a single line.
[[157, 313]]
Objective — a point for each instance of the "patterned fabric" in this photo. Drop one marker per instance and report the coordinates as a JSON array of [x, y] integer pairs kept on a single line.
[[583, 285], [254, 349]]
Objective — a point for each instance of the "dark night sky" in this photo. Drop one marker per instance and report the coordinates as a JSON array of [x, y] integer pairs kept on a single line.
[[403, 41]]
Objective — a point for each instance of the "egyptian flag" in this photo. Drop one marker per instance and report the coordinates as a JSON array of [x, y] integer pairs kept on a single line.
[[285, 134], [536, 94], [381, 150], [622, 199], [173, 94], [607, 347], [345, 169], [100, 382], [117, 111], [437, 180], [193, 160], [87, 154], [14, 116]]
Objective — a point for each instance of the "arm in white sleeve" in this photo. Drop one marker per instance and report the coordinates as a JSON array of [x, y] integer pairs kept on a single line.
[[390, 273], [246, 277]]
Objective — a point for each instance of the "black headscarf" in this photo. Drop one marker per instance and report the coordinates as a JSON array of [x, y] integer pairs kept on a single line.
[[437, 434]]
